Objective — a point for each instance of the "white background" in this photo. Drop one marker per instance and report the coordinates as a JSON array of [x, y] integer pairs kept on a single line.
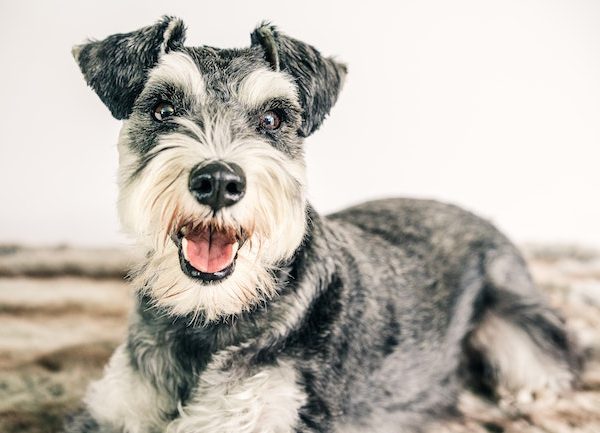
[[494, 105]]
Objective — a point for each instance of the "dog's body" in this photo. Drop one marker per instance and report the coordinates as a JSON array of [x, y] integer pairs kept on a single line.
[[371, 319]]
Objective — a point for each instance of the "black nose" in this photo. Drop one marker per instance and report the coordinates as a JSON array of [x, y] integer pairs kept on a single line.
[[217, 184]]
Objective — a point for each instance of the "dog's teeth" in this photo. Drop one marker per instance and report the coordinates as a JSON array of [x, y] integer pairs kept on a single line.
[[185, 230], [184, 243], [234, 249]]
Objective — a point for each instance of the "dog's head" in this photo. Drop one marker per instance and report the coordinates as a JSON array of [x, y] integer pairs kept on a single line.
[[211, 172]]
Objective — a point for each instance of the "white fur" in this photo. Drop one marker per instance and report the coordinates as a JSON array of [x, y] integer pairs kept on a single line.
[[153, 204], [523, 369], [179, 69], [156, 202], [168, 32], [227, 401], [264, 84], [237, 400], [124, 400]]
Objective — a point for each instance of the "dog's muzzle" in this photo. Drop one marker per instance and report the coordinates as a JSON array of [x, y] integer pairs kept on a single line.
[[207, 250], [217, 184]]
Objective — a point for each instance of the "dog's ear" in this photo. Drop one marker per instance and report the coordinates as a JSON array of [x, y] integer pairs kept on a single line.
[[117, 67], [319, 78]]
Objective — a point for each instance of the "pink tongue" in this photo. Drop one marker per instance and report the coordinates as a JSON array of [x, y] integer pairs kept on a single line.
[[209, 253]]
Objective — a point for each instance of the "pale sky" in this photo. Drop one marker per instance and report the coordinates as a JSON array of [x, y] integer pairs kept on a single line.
[[491, 105]]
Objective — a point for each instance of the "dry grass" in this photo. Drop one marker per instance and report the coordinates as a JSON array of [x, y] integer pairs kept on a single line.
[[62, 312]]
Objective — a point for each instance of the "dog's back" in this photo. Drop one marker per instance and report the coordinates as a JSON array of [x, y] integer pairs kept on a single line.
[[418, 281]]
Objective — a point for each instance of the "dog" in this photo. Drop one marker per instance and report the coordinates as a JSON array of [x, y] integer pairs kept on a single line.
[[254, 313]]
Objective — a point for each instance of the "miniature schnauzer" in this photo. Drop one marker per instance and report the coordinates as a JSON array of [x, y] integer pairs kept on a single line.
[[254, 313]]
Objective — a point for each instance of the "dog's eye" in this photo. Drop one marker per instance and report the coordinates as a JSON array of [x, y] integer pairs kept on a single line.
[[269, 121], [163, 110]]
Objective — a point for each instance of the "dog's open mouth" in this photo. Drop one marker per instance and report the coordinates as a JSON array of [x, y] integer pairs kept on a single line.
[[208, 253]]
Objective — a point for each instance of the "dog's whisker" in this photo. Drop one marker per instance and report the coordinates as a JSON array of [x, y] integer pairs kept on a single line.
[[166, 292]]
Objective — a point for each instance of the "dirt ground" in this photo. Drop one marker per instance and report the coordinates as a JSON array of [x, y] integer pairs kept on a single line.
[[62, 312]]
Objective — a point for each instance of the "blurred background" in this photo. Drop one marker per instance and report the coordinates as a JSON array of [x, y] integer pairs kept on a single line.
[[494, 106]]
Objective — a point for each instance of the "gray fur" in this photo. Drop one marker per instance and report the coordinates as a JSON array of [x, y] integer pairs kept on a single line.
[[116, 67], [223, 69], [319, 79], [376, 309]]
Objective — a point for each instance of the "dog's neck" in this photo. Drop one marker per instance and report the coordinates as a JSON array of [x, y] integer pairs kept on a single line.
[[161, 342]]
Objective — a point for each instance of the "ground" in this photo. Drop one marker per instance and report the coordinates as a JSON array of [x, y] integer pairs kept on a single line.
[[62, 312]]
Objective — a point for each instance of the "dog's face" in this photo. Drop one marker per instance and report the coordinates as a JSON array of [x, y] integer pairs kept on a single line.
[[211, 172]]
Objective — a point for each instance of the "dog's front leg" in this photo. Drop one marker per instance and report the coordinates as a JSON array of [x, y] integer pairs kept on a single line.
[[122, 401], [241, 399]]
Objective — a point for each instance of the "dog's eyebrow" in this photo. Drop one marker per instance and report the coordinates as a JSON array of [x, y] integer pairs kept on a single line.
[[262, 85], [179, 69]]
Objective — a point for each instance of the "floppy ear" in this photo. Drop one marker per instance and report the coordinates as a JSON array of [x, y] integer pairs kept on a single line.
[[319, 78], [117, 67]]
